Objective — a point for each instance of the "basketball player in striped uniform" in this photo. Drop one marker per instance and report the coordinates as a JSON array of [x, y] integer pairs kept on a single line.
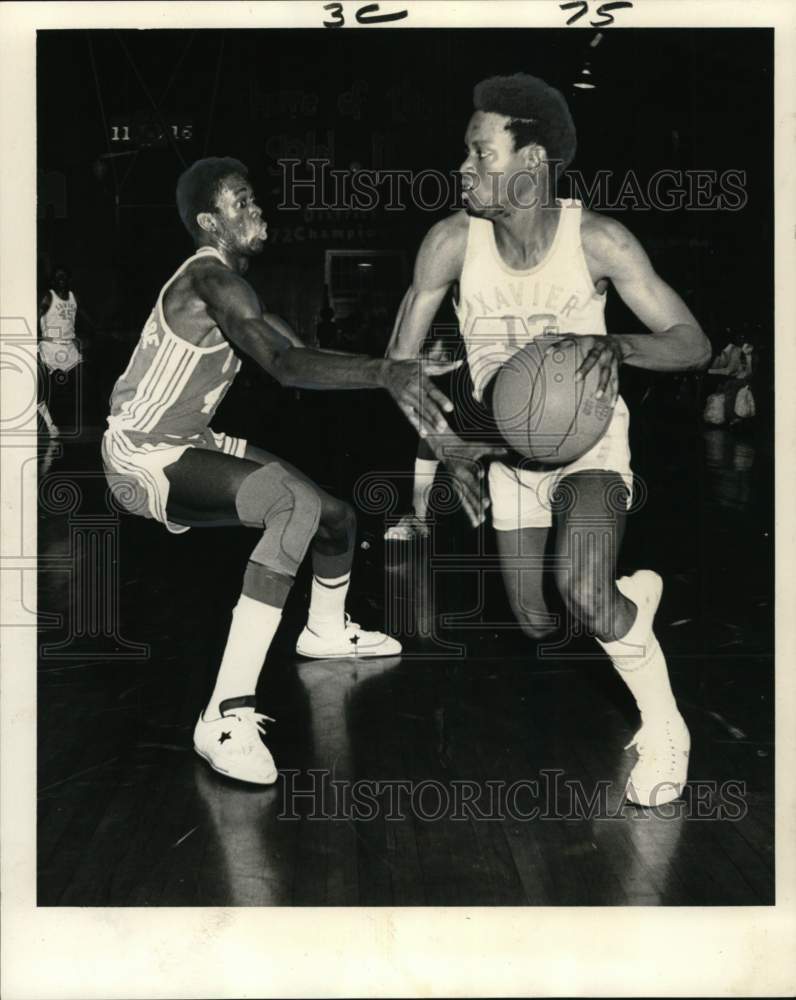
[[524, 263], [58, 349], [163, 460]]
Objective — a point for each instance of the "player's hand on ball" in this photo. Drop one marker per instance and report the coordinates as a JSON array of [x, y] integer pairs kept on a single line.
[[603, 351], [410, 385]]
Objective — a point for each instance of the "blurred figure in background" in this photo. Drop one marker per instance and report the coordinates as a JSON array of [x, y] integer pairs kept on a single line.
[[59, 351], [327, 332], [732, 402]]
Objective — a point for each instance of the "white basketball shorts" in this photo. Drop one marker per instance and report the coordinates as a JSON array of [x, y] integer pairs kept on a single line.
[[524, 498], [135, 464]]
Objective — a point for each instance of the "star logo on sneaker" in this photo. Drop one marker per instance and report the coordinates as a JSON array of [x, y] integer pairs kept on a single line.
[[224, 737], [354, 640]]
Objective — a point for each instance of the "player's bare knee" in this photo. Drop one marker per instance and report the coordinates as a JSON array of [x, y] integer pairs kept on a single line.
[[338, 517]]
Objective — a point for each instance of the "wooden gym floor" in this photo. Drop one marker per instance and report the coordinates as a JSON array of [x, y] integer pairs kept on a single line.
[[133, 623]]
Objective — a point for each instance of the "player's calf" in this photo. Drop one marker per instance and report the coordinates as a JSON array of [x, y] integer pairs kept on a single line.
[[333, 547], [663, 742], [599, 606]]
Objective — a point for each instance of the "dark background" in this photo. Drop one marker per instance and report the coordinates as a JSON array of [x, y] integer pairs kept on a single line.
[[116, 794], [399, 99], [665, 99]]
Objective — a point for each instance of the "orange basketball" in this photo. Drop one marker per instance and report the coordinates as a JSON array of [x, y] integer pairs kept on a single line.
[[539, 408]]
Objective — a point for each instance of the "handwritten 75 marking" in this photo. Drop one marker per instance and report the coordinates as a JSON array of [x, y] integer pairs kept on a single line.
[[583, 7]]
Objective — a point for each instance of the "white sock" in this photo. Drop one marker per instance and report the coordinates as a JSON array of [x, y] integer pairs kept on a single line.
[[44, 413], [637, 657], [327, 604], [425, 470], [254, 625]]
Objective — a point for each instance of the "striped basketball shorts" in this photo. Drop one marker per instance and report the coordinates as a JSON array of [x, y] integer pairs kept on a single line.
[[135, 465]]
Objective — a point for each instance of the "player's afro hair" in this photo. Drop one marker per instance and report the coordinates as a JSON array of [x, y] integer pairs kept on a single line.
[[198, 188], [537, 112]]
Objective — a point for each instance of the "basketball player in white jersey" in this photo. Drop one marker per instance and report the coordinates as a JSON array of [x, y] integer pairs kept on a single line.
[[164, 462], [58, 349], [524, 263]]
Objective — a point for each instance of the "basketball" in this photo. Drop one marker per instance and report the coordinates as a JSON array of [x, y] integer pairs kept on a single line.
[[541, 411]]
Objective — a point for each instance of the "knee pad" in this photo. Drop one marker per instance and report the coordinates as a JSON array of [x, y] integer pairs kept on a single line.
[[289, 510]]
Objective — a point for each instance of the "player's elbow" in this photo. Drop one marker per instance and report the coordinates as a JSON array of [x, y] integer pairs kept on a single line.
[[693, 347], [702, 353], [704, 363], [281, 366], [270, 350]]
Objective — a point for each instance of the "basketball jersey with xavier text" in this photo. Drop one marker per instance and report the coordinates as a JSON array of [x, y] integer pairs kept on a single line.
[[501, 309], [58, 323], [172, 387]]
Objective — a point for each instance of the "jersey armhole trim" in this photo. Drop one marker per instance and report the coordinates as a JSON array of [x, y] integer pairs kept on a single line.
[[456, 284], [581, 254], [202, 252]]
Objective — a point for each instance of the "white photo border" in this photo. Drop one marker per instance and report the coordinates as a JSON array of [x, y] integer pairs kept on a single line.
[[426, 952]]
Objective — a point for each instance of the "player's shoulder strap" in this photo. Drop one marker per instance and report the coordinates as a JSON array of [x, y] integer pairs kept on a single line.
[[572, 217], [203, 253], [477, 239], [572, 209]]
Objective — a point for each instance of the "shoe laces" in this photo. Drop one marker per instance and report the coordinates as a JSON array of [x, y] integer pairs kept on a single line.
[[419, 524], [637, 741], [354, 628], [349, 625], [255, 720], [648, 735]]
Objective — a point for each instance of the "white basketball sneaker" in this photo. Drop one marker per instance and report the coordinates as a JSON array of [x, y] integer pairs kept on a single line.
[[350, 641], [661, 771], [232, 743]]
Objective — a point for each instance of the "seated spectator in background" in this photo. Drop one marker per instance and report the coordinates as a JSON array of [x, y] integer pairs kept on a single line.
[[351, 333], [735, 361], [733, 401], [326, 331]]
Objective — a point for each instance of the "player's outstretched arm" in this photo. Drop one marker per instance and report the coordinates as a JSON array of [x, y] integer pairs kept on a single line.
[[233, 304], [677, 342], [438, 265]]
